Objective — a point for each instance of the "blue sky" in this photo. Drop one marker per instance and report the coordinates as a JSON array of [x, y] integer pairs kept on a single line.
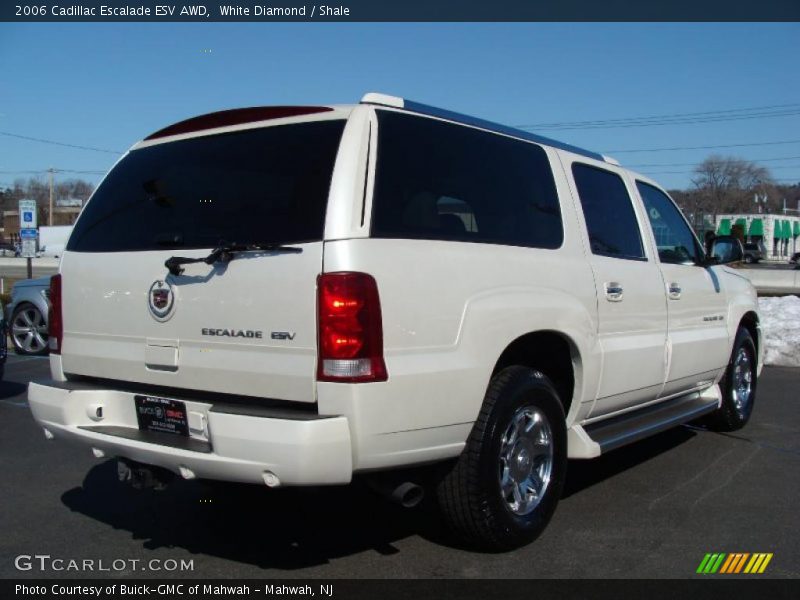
[[108, 85]]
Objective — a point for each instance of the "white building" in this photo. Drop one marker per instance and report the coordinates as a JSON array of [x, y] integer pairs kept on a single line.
[[777, 235]]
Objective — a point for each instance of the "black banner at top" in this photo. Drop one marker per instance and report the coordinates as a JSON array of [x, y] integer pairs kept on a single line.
[[398, 10]]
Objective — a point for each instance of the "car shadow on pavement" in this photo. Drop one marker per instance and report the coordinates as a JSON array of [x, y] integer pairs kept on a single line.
[[582, 474], [9, 389], [287, 529], [297, 528]]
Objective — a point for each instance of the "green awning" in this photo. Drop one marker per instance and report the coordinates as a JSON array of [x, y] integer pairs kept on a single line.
[[780, 230], [797, 228], [756, 227], [724, 227], [787, 230]]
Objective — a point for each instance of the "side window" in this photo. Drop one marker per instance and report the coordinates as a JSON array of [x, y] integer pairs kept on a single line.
[[675, 241], [610, 219], [442, 181]]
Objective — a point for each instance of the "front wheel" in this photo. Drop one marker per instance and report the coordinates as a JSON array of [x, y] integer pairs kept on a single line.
[[503, 490], [738, 386]]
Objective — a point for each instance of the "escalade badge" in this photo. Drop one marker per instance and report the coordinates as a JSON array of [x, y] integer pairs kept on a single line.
[[161, 300]]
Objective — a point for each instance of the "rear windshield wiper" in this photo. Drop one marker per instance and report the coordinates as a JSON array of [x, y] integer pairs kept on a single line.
[[225, 253]]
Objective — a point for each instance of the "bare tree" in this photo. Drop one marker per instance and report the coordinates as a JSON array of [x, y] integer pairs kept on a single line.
[[38, 189], [727, 184]]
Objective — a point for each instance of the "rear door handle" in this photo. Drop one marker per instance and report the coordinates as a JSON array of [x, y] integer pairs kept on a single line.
[[675, 291], [614, 291]]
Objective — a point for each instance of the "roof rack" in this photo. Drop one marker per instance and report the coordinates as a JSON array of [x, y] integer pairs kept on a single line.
[[432, 111]]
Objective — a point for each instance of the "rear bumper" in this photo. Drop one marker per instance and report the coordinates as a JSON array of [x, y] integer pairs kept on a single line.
[[229, 443]]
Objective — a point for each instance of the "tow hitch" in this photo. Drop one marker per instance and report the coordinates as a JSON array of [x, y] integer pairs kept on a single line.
[[141, 476]]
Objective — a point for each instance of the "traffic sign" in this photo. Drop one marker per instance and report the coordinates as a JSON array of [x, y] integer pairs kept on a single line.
[[27, 234], [27, 214], [28, 248]]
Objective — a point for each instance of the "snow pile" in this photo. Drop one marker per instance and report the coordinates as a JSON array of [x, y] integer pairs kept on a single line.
[[780, 326]]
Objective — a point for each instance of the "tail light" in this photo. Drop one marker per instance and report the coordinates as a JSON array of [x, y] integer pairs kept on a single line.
[[349, 328], [55, 323]]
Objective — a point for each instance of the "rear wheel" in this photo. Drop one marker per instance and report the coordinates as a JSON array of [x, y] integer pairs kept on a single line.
[[738, 386], [29, 330], [503, 490]]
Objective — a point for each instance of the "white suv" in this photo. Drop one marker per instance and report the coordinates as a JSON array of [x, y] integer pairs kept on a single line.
[[293, 295]]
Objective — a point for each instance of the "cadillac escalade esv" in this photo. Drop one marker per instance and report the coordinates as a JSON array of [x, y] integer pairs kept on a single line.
[[291, 296]]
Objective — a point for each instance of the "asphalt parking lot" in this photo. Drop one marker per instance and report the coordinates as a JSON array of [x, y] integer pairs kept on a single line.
[[651, 510]]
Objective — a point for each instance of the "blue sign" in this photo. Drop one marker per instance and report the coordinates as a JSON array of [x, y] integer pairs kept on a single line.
[[27, 217], [27, 234]]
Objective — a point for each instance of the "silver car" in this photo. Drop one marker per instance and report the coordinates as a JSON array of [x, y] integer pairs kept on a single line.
[[26, 316], [3, 342]]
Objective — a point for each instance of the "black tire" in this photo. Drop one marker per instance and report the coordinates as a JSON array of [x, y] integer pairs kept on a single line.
[[34, 314], [735, 410], [470, 495]]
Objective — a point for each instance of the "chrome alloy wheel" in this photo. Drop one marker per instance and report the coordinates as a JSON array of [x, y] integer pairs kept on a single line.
[[29, 330], [526, 460], [742, 381]]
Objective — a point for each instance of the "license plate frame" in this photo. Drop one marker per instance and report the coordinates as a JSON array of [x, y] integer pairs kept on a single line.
[[161, 415]]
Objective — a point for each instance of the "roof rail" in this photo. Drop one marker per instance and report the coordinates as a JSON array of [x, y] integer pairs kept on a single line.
[[432, 111]]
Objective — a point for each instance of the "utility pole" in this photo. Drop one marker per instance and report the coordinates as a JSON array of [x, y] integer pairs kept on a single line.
[[51, 170]]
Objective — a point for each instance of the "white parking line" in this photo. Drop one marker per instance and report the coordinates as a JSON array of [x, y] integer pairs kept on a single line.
[[15, 358], [17, 403]]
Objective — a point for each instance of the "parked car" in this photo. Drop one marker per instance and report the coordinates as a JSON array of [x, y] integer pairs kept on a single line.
[[3, 342], [7, 248], [795, 259], [295, 296], [752, 253], [26, 315]]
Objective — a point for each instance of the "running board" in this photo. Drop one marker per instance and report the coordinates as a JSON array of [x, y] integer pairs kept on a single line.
[[644, 422]]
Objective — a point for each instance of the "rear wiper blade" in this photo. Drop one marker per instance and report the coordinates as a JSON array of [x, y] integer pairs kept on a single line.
[[225, 253]]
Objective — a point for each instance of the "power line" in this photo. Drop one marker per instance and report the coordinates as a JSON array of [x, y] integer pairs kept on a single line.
[[694, 164], [692, 170], [676, 148], [671, 115], [28, 172], [735, 114], [54, 143], [672, 121]]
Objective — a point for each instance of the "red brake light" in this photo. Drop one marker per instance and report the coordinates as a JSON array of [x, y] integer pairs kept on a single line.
[[350, 329], [55, 325], [236, 116]]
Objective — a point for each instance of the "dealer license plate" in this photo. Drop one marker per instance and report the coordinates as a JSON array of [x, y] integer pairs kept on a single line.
[[161, 414]]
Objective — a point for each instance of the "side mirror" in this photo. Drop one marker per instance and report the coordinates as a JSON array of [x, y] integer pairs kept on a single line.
[[727, 249]]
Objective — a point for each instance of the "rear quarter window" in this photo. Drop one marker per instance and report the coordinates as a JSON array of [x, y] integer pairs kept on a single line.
[[438, 180], [260, 185]]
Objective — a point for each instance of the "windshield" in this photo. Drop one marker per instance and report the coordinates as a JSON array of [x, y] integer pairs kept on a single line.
[[267, 185]]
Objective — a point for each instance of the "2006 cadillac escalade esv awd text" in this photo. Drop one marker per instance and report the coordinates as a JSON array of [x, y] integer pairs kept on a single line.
[[293, 295]]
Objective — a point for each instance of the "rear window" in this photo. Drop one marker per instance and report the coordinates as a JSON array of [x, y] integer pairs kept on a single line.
[[261, 185], [437, 180]]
